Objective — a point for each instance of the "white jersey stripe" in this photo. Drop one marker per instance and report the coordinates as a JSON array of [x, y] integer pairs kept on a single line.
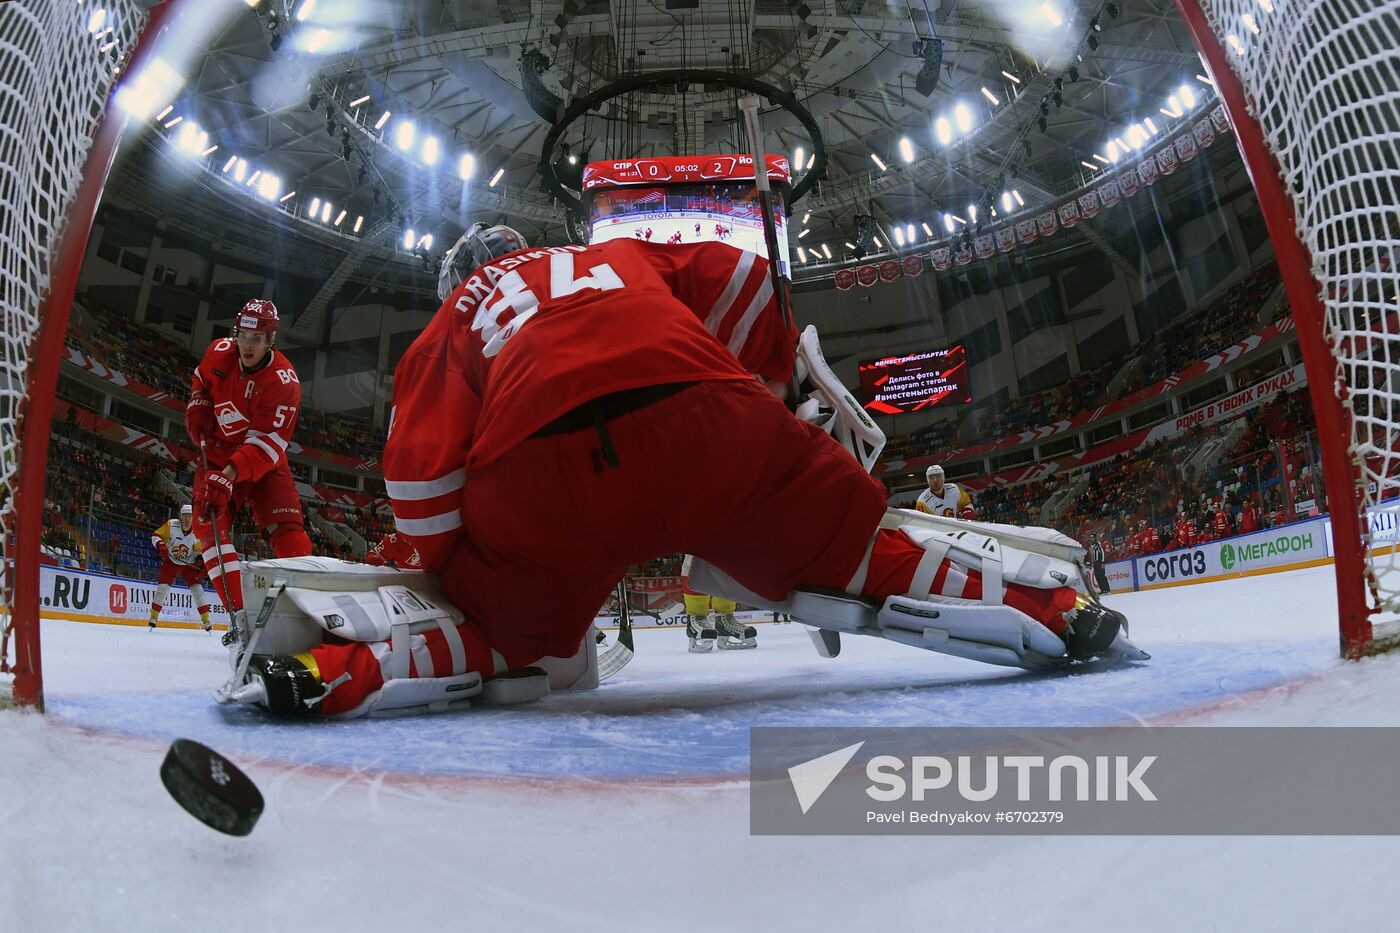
[[433, 525], [265, 447], [730, 293], [415, 490], [751, 313]]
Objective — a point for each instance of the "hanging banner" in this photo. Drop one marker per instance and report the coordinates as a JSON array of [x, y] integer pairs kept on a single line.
[[1147, 170], [1108, 193], [913, 265], [1166, 160], [1220, 118], [985, 246], [1128, 182], [867, 275], [1046, 224], [845, 279], [1186, 147], [1205, 134], [889, 270], [942, 258], [1069, 214], [1025, 232], [964, 254], [1088, 204], [1006, 239]]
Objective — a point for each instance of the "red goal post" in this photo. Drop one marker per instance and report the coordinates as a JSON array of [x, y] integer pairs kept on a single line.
[[60, 63], [1312, 88]]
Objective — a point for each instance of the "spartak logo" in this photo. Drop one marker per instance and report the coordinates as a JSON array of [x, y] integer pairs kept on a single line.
[[230, 418]]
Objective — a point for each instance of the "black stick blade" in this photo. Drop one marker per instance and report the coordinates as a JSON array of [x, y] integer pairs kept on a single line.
[[211, 788]]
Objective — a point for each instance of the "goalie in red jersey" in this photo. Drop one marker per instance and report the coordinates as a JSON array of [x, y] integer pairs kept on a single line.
[[580, 371], [243, 406]]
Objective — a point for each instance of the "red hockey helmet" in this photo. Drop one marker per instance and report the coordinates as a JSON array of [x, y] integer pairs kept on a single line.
[[258, 314]]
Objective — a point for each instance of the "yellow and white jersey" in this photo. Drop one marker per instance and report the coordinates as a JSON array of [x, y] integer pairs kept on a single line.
[[182, 545], [949, 504]]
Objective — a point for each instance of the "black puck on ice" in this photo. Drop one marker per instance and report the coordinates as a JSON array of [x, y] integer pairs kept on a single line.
[[211, 788]]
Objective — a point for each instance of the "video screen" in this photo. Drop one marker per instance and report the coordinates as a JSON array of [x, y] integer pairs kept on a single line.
[[895, 385], [689, 212]]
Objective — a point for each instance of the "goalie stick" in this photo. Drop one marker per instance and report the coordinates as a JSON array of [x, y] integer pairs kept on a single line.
[[620, 654]]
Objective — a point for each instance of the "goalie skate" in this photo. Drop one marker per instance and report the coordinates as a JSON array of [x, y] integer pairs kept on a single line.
[[701, 634]]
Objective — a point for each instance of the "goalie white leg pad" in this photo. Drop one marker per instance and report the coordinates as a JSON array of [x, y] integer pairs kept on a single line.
[[358, 602], [963, 628]]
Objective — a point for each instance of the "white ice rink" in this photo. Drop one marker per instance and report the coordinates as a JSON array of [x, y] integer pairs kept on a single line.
[[627, 809]]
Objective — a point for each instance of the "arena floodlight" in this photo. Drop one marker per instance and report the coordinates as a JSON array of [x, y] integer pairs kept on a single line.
[[906, 150], [210, 151], [305, 9], [229, 164], [798, 156], [173, 122], [811, 160], [803, 233], [240, 169], [826, 251], [497, 177], [269, 186], [359, 222], [1137, 136], [153, 89], [806, 217], [1188, 96], [1052, 15], [318, 40], [1248, 20], [899, 236], [1017, 195], [878, 161], [1006, 201], [408, 238], [1089, 165], [383, 119], [962, 113], [943, 130], [948, 223], [1235, 43], [286, 197], [359, 100], [315, 207], [850, 245], [326, 212], [801, 254], [430, 150], [1010, 77], [466, 166], [339, 217], [1151, 127], [403, 135], [928, 231], [990, 96]]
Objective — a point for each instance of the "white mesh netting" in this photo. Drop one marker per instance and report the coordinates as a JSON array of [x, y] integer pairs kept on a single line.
[[1323, 79], [57, 62]]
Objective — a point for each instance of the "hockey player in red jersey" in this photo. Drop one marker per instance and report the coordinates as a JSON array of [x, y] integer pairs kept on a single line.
[[243, 405], [580, 370]]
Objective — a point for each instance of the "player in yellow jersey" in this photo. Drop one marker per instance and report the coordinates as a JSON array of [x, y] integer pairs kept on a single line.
[[944, 498], [181, 558]]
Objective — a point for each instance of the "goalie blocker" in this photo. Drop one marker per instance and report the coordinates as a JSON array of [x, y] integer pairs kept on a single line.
[[424, 654]]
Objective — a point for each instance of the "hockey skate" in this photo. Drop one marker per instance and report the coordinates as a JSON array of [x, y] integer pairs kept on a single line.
[[733, 634], [702, 635]]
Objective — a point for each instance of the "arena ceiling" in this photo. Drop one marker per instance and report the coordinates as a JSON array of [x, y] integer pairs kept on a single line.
[[298, 90]]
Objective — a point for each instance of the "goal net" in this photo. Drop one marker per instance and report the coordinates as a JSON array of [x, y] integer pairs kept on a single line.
[[59, 60], [1313, 88]]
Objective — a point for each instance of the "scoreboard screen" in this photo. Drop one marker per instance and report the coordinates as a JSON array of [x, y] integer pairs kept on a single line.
[[686, 200], [920, 381]]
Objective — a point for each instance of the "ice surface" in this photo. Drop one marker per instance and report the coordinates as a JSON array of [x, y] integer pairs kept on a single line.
[[626, 808]]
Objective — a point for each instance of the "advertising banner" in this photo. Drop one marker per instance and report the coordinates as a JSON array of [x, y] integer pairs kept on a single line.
[[80, 596]]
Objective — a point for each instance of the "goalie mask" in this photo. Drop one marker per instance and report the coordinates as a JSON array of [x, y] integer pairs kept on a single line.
[[825, 402], [478, 246]]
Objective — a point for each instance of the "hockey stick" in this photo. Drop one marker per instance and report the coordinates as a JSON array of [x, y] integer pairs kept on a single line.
[[620, 654], [222, 585]]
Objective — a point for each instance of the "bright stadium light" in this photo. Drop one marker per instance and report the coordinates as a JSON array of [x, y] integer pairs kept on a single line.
[[826, 251], [943, 130], [229, 164], [403, 135], [1017, 195], [1188, 96], [899, 236], [972, 212], [359, 222], [315, 207], [1010, 77], [154, 88], [909, 232], [383, 119], [878, 161], [430, 150], [240, 169], [1151, 127], [906, 150], [497, 177], [963, 115], [928, 231], [1137, 136], [990, 96], [339, 217], [408, 238], [359, 100], [1089, 165], [850, 245], [797, 157], [286, 197], [269, 186], [1052, 15], [1006, 201], [326, 212], [305, 9], [948, 223], [466, 166]]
